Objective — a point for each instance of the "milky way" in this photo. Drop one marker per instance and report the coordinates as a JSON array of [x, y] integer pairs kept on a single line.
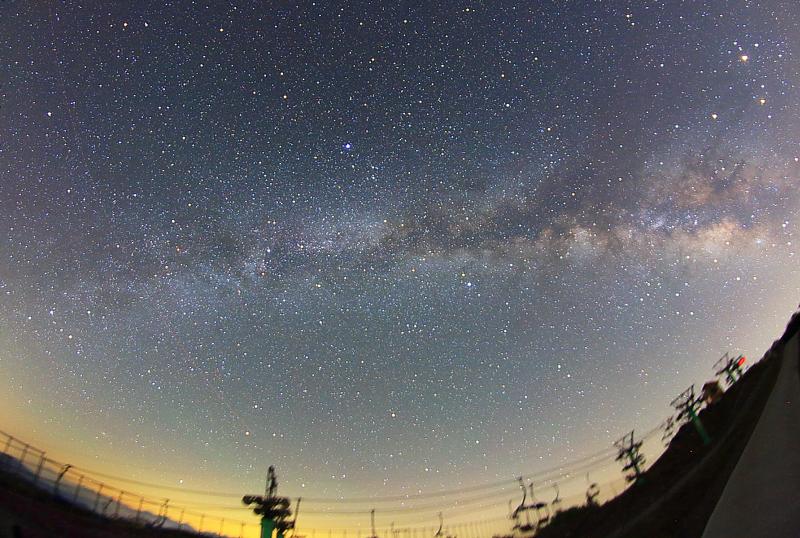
[[388, 249]]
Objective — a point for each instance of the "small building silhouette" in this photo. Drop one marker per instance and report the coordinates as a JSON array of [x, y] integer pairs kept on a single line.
[[712, 392]]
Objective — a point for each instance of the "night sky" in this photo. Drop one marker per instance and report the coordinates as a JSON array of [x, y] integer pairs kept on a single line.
[[389, 248]]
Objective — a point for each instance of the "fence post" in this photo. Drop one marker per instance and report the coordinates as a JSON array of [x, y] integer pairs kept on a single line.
[[97, 498], [77, 490], [64, 470], [106, 505], [163, 519], [119, 503], [8, 444], [39, 468], [139, 511], [22, 458]]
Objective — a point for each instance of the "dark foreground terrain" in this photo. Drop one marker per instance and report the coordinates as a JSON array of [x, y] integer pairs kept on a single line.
[[28, 512], [676, 497], [681, 489]]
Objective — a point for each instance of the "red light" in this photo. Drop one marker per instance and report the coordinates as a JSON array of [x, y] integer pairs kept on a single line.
[[741, 361]]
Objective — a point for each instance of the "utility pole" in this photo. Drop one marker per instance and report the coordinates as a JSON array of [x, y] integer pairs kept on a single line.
[[372, 521], [592, 493], [439, 533], [629, 450], [687, 405], [274, 510]]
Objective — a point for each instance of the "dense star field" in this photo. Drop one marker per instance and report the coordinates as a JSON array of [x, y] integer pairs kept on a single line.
[[389, 248]]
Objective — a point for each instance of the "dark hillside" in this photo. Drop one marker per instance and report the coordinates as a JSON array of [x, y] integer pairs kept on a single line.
[[29, 512], [681, 489]]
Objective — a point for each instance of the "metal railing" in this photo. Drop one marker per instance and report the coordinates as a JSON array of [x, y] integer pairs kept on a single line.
[[63, 482], [98, 494]]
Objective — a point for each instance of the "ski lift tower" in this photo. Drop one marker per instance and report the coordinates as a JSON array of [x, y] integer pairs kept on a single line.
[[731, 367], [687, 405], [274, 510], [629, 453]]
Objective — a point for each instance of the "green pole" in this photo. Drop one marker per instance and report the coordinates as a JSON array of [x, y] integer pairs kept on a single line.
[[267, 527], [700, 429]]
